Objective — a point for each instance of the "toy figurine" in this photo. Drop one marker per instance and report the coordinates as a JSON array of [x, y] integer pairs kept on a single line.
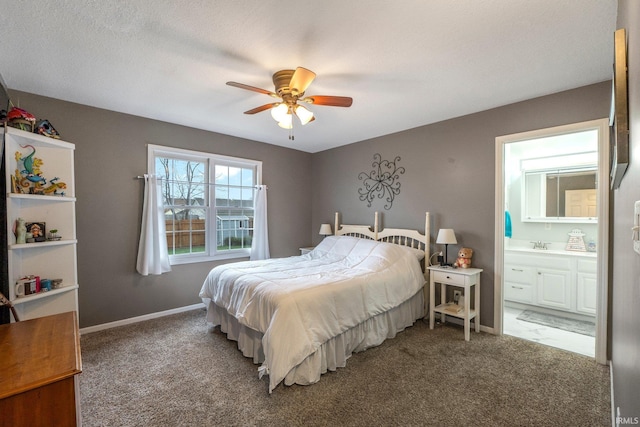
[[21, 119], [44, 127], [464, 258]]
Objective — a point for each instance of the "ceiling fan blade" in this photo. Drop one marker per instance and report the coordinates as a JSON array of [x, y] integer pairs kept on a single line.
[[262, 108], [332, 101], [252, 88], [301, 79]]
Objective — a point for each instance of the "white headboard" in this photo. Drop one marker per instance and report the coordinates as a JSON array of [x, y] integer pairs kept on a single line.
[[398, 236], [407, 237], [362, 231]]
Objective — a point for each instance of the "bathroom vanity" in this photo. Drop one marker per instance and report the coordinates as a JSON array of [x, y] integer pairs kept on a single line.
[[554, 279]]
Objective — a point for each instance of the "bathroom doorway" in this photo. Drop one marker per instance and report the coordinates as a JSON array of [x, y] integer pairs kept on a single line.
[[552, 194]]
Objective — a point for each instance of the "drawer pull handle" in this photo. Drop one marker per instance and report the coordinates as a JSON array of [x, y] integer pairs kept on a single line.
[[517, 287], [517, 269], [448, 277]]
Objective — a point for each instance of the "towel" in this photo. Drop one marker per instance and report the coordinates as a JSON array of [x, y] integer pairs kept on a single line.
[[507, 224]]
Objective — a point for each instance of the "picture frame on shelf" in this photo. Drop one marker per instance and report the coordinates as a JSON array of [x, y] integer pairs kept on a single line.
[[619, 115], [38, 230]]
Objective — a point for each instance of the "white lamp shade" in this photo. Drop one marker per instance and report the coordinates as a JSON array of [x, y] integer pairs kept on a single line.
[[446, 236], [325, 230], [279, 113], [286, 124], [303, 114]]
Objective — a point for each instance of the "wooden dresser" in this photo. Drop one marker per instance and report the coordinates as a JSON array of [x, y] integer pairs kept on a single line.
[[38, 373]]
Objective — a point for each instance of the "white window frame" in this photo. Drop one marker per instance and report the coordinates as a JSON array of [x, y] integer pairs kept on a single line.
[[212, 253]]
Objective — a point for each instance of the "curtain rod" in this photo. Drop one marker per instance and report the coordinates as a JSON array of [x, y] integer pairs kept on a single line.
[[257, 187]]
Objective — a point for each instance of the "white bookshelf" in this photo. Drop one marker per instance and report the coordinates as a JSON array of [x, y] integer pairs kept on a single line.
[[55, 259]]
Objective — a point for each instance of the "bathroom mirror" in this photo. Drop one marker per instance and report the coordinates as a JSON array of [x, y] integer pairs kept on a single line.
[[560, 195]]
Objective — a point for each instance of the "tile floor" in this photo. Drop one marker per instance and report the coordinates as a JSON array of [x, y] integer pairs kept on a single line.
[[558, 338]]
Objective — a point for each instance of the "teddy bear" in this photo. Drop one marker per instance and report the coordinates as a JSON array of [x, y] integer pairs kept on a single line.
[[464, 258]]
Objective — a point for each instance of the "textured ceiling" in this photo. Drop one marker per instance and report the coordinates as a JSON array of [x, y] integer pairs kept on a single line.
[[405, 63]]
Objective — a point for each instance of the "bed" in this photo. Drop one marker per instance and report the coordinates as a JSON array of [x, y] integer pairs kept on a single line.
[[301, 316]]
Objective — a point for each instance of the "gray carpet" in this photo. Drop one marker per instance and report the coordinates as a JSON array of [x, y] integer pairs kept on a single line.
[[572, 325], [177, 371]]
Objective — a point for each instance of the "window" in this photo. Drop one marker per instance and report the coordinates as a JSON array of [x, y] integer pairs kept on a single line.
[[208, 203]]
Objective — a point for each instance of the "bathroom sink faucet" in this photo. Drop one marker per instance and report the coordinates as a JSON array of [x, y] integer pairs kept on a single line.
[[539, 245]]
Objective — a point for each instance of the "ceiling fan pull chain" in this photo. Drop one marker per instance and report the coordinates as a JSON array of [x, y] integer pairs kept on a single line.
[[291, 137]]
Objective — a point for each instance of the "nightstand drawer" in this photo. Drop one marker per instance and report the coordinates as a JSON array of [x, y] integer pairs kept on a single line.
[[448, 278]]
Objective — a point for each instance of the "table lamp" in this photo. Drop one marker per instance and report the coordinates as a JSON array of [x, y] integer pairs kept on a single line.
[[325, 230], [446, 236]]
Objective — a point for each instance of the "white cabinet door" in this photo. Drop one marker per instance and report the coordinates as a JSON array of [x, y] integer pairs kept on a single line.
[[554, 288], [587, 289], [586, 286]]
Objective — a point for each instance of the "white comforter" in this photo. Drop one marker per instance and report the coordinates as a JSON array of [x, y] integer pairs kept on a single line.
[[300, 302]]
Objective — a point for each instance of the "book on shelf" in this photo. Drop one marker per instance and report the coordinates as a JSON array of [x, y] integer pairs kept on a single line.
[[453, 308]]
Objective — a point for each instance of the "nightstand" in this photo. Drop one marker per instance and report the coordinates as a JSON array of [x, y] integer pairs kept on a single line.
[[306, 250], [464, 278]]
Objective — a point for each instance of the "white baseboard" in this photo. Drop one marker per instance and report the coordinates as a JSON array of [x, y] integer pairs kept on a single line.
[[488, 330], [132, 320], [614, 411], [460, 322], [150, 316]]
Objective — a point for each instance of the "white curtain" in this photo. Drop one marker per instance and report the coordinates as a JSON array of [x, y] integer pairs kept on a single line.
[[153, 256], [260, 242]]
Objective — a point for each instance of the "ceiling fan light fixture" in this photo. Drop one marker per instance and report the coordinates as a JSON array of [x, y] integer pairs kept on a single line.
[[280, 113], [303, 114], [290, 86], [286, 122]]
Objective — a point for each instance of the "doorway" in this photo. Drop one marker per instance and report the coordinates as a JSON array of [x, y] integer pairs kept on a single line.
[[552, 237]]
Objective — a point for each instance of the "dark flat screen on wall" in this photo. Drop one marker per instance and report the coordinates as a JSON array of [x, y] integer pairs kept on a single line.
[[4, 268]]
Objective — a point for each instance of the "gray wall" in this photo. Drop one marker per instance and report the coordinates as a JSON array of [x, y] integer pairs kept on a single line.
[[449, 172], [110, 152], [450, 168], [625, 312]]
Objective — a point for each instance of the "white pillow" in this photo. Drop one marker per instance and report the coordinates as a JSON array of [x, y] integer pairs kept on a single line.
[[418, 253]]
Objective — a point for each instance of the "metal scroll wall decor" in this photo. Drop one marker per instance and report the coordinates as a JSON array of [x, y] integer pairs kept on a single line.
[[381, 182]]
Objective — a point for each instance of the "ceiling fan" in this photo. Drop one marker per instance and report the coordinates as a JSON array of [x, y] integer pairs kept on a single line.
[[290, 86]]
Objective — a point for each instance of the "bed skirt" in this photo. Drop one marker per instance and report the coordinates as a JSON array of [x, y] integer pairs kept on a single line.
[[332, 354]]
